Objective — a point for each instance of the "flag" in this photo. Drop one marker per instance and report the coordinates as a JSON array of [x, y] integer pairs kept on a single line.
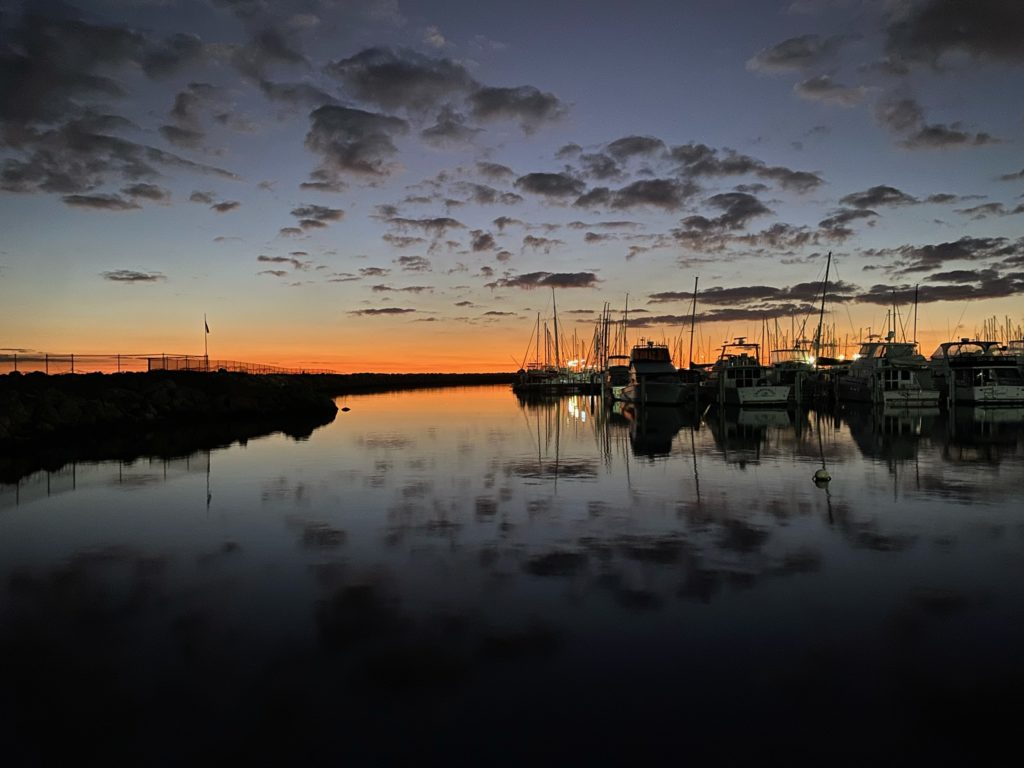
[[206, 324]]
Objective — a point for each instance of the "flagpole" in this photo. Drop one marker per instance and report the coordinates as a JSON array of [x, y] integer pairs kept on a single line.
[[206, 343]]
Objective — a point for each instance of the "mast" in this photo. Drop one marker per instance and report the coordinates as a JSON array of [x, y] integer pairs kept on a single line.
[[693, 317], [821, 314], [625, 326], [554, 311], [915, 313]]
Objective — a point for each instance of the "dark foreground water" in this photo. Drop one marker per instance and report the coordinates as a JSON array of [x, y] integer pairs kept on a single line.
[[456, 577]]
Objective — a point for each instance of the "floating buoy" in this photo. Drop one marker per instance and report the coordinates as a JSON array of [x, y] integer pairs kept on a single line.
[[346, 409], [822, 476]]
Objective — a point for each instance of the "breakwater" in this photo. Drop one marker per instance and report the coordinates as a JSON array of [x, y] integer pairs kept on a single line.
[[35, 407]]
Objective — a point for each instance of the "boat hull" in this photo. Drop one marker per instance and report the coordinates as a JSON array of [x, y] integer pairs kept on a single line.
[[757, 396], [994, 394], [659, 393]]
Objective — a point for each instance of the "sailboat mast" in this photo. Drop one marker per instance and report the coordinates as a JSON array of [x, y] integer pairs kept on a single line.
[[915, 314], [554, 311], [693, 317], [821, 314]]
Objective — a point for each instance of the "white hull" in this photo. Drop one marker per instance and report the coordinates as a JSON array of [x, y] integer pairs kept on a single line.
[[756, 396], [994, 394], [910, 398]]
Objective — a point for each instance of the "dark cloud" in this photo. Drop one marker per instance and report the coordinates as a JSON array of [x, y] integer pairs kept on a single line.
[[925, 258], [496, 313], [402, 241], [835, 226], [225, 206], [374, 272], [878, 196], [82, 154], [413, 263], [382, 311], [504, 221], [353, 141], [187, 138], [525, 103], [737, 208], [289, 232], [550, 184], [631, 146], [401, 79], [132, 276], [941, 136], [494, 171], [668, 194], [100, 202], [794, 54], [547, 280], [824, 89], [899, 115], [449, 130], [146, 191], [436, 226], [700, 160], [407, 289], [981, 28], [485, 195], [266, 48], [201, 197], [594, 198], [603, 225], [295, 262], [985, 210], [986, 288], [963, 276], [1012, 176], [316, 216], [482, 241], [568, 150], [544, 244], [600, 166]]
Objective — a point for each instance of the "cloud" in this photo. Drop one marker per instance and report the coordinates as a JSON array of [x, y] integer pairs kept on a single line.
[[482, 241], [925, 258], [436, 226], [449, 130], [700, 160], [432, 36], [225, 206], [1012, 176], [374, 271], [132, 276], [401, 79], [504, 221], [899, 115], [794, 54], [834, 227], [201, 197], [525, 103], [382, 311], [413, 263], [267, 47], [659, 193], [402, 241], [494, 171], [631, 146], [550, 184], [980, 28], [182, 137], [146, 191], [100, 202], [353, 141], [295, 262], [941, 136], [824, 89], [985, 210], [317, 216], [878, 196], [547, 280], [296, 93], [485, 195], [544, 244], [600, 166], [407, 289]]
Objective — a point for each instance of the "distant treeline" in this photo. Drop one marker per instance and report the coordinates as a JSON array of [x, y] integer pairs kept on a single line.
[[344, 383]]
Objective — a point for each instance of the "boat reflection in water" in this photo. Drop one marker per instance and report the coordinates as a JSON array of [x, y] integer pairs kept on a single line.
[[652, 431], [741, 433]]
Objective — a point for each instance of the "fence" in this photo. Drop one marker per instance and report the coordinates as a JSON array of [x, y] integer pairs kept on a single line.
[[57, 364]]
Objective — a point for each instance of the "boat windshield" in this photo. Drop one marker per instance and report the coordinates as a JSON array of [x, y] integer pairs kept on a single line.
[[652, 354]]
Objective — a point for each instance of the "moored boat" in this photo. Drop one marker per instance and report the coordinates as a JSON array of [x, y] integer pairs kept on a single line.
[[738, 378], [654, 380], [977, 372], [889, 373], [616, 376]]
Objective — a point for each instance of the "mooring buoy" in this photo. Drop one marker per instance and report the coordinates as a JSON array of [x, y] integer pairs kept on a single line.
[[822, 476]]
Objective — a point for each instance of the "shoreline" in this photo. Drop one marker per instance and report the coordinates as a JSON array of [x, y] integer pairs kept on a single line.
[[37, 408]]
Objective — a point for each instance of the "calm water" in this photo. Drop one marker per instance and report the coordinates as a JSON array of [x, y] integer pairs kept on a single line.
[[456, 576]]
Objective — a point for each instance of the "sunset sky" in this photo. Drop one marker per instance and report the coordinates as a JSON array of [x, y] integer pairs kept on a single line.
[[396, 186]]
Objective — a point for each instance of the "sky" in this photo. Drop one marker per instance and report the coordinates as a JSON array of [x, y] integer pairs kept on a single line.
[[379, 185]]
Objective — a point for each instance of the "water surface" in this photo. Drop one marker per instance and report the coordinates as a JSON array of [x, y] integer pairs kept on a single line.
[[455, 575]]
